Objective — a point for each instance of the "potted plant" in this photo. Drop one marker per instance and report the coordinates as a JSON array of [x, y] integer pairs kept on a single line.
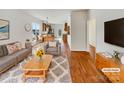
[[116, 54]]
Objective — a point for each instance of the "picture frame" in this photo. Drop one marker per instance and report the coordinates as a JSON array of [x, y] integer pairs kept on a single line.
[[4, 29]]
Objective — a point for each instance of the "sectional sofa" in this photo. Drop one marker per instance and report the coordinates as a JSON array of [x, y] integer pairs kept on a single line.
[[8, 60]]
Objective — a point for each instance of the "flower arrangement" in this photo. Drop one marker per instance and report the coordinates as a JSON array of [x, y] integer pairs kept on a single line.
[[40, 53]]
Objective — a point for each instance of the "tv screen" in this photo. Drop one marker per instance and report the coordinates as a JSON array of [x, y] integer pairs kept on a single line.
[[114, 32]]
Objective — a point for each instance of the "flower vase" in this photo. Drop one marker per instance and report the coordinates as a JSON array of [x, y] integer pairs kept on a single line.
[[40, 59]]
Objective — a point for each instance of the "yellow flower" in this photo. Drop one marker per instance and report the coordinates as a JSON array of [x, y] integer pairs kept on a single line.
[[40, 53]]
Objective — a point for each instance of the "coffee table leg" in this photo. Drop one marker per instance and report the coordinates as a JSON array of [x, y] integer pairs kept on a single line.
[[44, 77], [24, 76]]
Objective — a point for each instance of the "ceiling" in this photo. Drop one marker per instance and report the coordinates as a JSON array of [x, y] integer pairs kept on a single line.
[[55, 16]]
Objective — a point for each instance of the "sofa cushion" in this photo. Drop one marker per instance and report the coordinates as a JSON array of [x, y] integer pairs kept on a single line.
[[53, 53], [5, 50], [22, 51], [1, 51], [21, 54], [51, 49], [7, 61], [52, 44]]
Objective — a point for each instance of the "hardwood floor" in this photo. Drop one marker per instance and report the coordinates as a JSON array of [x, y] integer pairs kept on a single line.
[[82, 67]]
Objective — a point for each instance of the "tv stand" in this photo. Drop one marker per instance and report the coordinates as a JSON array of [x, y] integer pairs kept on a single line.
[[105, 62]]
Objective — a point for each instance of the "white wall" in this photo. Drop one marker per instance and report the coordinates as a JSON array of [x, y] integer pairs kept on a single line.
[[101, 16], [91, 32], [55, 16], [78, 31], [56, 28], [17, 22]]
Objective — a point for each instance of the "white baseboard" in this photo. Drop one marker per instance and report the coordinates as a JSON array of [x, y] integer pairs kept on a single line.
[[78, 49]]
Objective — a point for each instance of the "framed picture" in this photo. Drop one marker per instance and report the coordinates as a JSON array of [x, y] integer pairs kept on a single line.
[[4, 29]]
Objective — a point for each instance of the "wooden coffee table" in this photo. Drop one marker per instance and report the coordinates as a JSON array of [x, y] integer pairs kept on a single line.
[[37, 68]]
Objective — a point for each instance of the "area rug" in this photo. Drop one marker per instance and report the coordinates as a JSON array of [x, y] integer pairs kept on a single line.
[[58, 73]]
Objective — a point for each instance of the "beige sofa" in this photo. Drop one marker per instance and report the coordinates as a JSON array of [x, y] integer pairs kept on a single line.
[[9, 60]]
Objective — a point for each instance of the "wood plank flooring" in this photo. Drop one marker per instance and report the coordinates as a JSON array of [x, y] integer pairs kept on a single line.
[[82, 68]]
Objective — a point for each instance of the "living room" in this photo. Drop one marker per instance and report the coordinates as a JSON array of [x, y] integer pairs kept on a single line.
[[29, 35], [53, 46], [79, 43]]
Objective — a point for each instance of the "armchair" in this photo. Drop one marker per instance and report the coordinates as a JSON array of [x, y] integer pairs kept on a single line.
[[53, 50]]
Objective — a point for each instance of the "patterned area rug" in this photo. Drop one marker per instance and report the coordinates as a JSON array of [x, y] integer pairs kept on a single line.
[[58, 73]]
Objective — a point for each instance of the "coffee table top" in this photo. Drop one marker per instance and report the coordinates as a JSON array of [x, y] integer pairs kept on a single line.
[[35, 64]]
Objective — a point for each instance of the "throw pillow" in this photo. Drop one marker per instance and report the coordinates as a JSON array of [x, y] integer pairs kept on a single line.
[[52, 44], [1, 51], [12, 48], [19, 46], [5, 50]]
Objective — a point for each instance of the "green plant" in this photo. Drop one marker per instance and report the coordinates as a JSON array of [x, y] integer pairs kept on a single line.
[[116, 54]]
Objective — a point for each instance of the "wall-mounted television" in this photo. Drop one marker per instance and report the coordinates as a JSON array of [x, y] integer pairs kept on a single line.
[[114, 32]]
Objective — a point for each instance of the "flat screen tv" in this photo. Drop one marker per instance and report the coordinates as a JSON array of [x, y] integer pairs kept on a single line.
[[114, 32]]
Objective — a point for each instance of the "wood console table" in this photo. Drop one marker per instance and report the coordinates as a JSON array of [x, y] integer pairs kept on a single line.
[[47, 38], [105, 62]]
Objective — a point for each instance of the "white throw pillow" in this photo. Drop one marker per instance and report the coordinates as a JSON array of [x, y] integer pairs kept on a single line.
[[52, 44], [18, 44], [12, 48]]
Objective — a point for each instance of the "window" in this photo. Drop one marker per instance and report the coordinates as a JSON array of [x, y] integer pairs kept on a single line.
[[35, 28]]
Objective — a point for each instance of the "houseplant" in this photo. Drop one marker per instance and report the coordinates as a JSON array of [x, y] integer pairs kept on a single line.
[[116, 54]]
